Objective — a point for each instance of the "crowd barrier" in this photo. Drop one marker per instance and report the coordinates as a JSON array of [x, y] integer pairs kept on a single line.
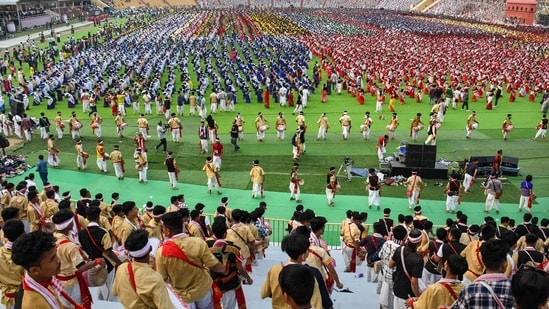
[[280, 229]]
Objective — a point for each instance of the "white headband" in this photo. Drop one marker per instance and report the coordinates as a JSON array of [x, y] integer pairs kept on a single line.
[[141, 252], [415, 240], [63, 225]]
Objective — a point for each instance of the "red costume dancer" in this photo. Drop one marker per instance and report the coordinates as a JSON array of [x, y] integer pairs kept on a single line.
[[7, 85], [267, 98], [513, 95], [419, 96], [360, 97], [353, 91], [532, 96], [291, 98]]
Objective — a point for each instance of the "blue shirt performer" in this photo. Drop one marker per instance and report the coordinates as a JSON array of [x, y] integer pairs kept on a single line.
[[42, 169]]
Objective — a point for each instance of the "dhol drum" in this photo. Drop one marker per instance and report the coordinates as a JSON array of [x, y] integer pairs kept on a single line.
[[390, 128], [475, 125], [280, 127], [155, 244], [48, 227], [94, 125], [301, 182], [77, 125], [176, 300], [120, 252], [124, 125], [418, 128], [96, 276], [509, 128], [240, 129], [438, 125], [85, 155], [264, 128]]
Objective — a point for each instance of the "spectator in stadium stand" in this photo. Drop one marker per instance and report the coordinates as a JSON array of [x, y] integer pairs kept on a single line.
[[493, 288]]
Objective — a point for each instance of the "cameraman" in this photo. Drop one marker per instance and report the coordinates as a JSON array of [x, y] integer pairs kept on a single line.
[[161, 131]]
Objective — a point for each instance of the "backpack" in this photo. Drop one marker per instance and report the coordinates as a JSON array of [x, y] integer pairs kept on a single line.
[[375, 255], [230, 281]]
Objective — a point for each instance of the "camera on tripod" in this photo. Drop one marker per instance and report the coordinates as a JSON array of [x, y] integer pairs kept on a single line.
[[346, 166], [348, 161]]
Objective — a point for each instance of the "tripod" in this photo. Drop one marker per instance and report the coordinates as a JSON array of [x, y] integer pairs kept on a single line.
[[348, 168]]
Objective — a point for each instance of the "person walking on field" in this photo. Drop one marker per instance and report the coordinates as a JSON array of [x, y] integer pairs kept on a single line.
[[541, 128], [213, 176], [258, 178], [332, 186], [234, 135], [102, 157], [345, 122], [217, 153], [527, 194], [415, 186], [381, 147], [81, 156], [493, 192], [323, 126], [374, 189], [161, 132], [142, 165], [295, 182], [117, 162], [472, 124], [171, 166], [452, 193], [176, 127]]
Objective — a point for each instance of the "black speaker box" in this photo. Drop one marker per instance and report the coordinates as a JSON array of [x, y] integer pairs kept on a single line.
[[430, 157], [413, 156], [483, 161], [410, 148], [413, 163], [510, 162], [430, 149]]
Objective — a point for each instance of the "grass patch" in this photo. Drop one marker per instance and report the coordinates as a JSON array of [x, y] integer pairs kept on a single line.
[[275, 155]]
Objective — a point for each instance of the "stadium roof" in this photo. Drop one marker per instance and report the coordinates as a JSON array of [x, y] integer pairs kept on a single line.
[[8, 2]]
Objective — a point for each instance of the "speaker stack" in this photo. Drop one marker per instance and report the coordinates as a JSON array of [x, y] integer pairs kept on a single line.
[[483, 161], [509, 162], [421, 155]]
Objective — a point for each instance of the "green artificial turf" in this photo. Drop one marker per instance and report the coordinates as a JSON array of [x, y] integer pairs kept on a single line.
[[276, 157]]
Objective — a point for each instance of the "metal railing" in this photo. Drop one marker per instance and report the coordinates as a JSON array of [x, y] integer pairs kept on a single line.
[[280, 229]]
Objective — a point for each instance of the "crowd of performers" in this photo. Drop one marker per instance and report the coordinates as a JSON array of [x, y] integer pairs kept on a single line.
[[95, 233], [54, 249], [261, 55], [130, 72]]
